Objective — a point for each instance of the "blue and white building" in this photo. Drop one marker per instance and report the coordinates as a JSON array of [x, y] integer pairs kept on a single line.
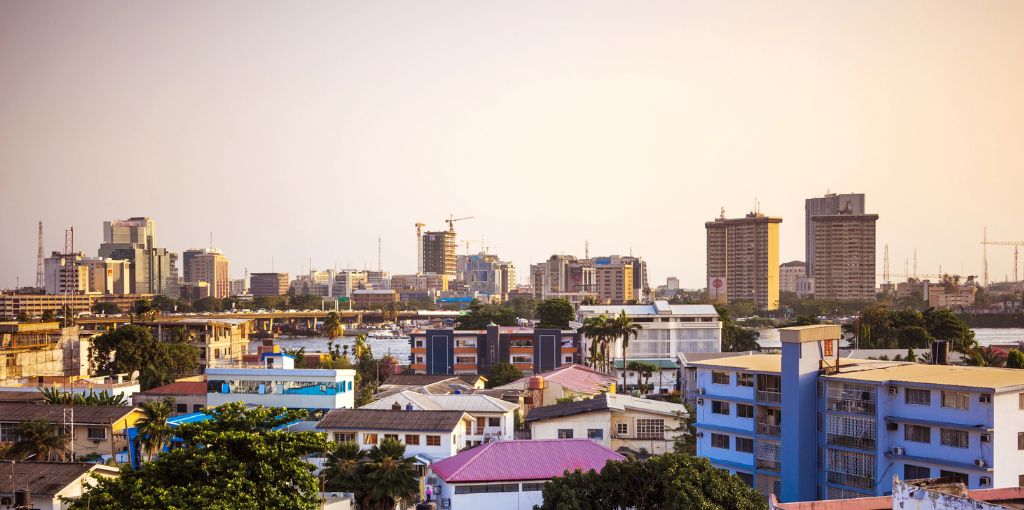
[[275, 382], [807, 425]]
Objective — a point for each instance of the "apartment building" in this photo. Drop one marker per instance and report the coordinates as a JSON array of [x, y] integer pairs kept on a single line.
[[438, 253], [493, 419], [347, 281], [790, 274], [218, 339], [757, 415], [827, 205], [949, 293], [207, 265], [274, 381], [743, 260], [189, 395], [844, 256], [268, 284], [64, 273], [450, 351], [153, 270], [431, 435], [666, 330]]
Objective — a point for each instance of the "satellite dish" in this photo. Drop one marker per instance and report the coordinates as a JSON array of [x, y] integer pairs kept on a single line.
[[135, 375]]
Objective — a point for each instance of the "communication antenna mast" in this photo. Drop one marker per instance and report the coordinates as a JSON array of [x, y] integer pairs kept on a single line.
[[984, 256], [885, 265], [68, 268], [379, 256], [586, 249], [40, 279], [69, 432], [915, 263]]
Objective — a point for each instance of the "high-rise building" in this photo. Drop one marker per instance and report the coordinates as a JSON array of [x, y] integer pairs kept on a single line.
[[831, 203], [439, 253], [153, 270], [64, 273], [743, 260], [238, 287], [844, 256], [482, 274], [506, 278], [348, 280], [210, 266], [790, 274], [268, 284], [672, 284], [109, 276]]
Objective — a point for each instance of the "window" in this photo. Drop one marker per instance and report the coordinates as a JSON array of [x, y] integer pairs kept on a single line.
[[953, 474], [954, 438], [955, 399], [181, 408], [917, 433], [564, 433], [412, 439], [719, 377], [344, 437], [493, 422], [912, 472], [746, 477], [595, 434], [1020, 440], [744, 411], [369, 438], [744, 379], [622, 429], [744, 444], [196, 408], [96, 433], [433, 440], [533, 487], [1020, 401], [391, 436], [719, 441], [918, 397], [484, 488], [7, 434], [649, 428], [719, 407]]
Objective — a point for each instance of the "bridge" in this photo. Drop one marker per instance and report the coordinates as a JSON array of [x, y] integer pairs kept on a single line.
[[265, 320]]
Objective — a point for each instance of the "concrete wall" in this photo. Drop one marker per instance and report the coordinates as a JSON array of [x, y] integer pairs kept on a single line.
[[521, 500]]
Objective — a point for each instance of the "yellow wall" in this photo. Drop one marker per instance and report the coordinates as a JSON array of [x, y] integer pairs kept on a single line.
[[773, 266]]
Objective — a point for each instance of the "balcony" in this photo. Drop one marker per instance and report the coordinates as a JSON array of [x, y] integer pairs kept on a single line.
[[850, 405], [767, 429], [769, 464], [772, 397], [851, 480], [859, 442], [465, 350], [521, 350]]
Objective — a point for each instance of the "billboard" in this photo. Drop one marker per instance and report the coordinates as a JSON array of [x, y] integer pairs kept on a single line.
[[717, 289]]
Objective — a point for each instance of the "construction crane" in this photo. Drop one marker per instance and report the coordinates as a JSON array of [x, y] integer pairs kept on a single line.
[[452, 219], [1016, 254]]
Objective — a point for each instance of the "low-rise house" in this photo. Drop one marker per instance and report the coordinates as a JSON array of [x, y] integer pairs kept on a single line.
[[509, 475], [96, 429], [663, 380], [432, 384], [275, 382], [42, 485], [568, 381], [922, 494], [620, 422], [189, 396], [493, 419], [428, 435]]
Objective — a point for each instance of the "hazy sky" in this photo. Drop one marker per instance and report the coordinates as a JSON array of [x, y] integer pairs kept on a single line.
[[307, 129]]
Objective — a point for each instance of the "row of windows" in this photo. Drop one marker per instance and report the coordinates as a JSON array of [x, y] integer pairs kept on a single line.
[[591, 434], [743, 444], [8, 435], [722, 407], [372, 438], [947, 437], [950, 399], [912, 472], [743, 379]]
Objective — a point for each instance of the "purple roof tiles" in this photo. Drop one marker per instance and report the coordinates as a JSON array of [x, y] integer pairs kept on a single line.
[[523, 460]]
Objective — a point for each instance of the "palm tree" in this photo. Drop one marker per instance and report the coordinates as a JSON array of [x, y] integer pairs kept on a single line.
[[341, 471], [390, 477], [985, 357], [152, 427], [333, 327], [361, 349], [596, 329], [38, 438], [624, 327]]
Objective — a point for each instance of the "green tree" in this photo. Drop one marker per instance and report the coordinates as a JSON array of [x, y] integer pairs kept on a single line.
[[672, 481], [1015, 359], [332, 326], [88, 398], [503, 373], [912, 337], [624, 328], [48, 316], [143, 309], [390, 477], [644, 370], [153, 430], [944, 325], [105, 308], [235, 460], [735, 338], [164, 303], [597, 330], [132, 347], [985, 357], [523, 306], [207, 304], [342, 468], [480, 316], [38, 439], [555, 313]]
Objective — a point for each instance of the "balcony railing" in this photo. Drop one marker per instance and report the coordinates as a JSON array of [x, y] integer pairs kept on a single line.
[[769, 464], [847, 405], [862, 442], [767, 429], [851, 480], [774, 397]]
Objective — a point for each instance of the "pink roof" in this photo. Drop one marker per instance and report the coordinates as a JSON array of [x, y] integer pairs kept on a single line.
[[523, 460], [579, 378], [1005, 494]]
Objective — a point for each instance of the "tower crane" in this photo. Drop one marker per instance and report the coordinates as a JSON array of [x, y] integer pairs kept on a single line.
[[452, 219], [1016, 254]]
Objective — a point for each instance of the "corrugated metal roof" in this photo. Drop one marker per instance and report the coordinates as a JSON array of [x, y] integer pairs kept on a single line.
[[45, 478], [53, 413], [577, 378], [470, 403], [662, 363], [179, 388], [619, 403], [523, 460], [380, 419]]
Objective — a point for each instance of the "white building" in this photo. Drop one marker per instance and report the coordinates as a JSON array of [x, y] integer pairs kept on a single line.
[[428, 435], [662, 381], [493, 419], [869, 420], [667, 329], [620, 422], [790, 274], [509, 475], [275, 382]]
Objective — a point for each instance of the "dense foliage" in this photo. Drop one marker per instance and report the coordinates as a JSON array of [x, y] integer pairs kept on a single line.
[[555, 313], [670, 481], [87, 398], [37, 440], [735, 338], [480, 315], [881, 327], [132, 347], [235, 460], [503, 373], [379, 478]]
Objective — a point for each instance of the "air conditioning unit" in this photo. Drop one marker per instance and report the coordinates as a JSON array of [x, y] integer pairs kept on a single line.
[[986, 438], [979, 462], [700, 401], [892, 426], [894, 390], [699, 434], [898, 450], [985, 398], [984, 481]]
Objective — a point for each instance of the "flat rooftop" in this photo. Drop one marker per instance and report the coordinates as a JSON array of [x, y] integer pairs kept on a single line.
[[771, 363], [944, 375]]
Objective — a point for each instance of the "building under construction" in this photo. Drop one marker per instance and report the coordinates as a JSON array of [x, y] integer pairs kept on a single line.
[[42, 349]]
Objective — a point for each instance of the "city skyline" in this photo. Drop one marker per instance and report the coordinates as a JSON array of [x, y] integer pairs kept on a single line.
[[293, 136]]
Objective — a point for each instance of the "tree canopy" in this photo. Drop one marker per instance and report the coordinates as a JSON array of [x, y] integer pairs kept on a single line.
[[881, 327], [669, 481], [480, 315], [503, 373], [235, 460], [132, 347], [555, 313], [735, 338]]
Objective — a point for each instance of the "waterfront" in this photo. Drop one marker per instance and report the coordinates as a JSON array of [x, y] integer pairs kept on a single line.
[[397, 347]]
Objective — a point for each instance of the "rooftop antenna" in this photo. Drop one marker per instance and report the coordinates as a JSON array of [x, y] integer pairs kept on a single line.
[[211, 241], [885, 265], [586, 249], [915, 263], [721, 214], [379, 264], [984, 256], [40, 279]]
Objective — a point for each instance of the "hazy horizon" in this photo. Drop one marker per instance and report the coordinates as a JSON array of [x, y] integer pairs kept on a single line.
[[306, 131]]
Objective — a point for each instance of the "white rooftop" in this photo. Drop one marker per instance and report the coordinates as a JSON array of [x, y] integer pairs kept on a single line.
[[659, 307], [470, 402]]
